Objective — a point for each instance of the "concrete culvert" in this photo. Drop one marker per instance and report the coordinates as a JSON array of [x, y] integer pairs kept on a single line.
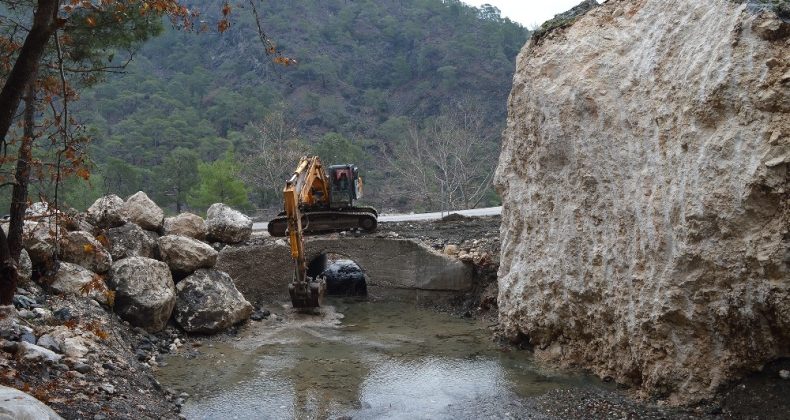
[[344, 277]]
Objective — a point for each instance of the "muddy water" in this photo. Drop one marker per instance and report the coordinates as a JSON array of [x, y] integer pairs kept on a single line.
[[360, 359]]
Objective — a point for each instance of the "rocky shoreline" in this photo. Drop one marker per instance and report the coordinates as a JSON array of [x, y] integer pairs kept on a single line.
[[82, 359]]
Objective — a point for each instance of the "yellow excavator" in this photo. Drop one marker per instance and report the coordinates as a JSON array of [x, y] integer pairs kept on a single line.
[[316, 202]]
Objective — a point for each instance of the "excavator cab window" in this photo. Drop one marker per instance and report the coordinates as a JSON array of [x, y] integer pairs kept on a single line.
[[342, 177]]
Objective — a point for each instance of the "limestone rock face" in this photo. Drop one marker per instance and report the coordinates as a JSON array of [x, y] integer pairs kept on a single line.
[[227, 225], [185, 255], [186, 224], [107, 212], [208, 302], [73, 279], [131, 240], [144, 292], [82, 248], [141, 210], [15, 404], [644, 175]]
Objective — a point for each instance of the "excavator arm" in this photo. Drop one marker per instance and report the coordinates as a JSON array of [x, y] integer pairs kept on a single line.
[[308, 186]]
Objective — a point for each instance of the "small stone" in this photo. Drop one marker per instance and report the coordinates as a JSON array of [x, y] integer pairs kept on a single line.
[[43, 313], [108, 388], [62, 314], [260, 315], [32, 352], [23, 302], [784, 374], [28, 337], [82, 367], [26, 314]]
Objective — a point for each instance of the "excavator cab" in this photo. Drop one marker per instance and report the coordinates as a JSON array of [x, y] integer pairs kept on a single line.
[[345, 186]]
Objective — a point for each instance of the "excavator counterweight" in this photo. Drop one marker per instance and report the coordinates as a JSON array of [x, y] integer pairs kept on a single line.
[[317, 202]]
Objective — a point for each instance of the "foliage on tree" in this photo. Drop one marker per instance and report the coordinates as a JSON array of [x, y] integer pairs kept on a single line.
[[219, 183], [363, 65], [177, 175]]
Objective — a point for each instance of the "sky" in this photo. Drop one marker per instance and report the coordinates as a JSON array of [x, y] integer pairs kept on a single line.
[[529, 13]]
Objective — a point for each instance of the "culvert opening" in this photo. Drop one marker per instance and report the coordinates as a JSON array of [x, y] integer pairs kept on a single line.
[[344, 277]]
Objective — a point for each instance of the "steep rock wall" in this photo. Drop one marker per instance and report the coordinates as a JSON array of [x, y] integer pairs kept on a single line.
[[644, 174]]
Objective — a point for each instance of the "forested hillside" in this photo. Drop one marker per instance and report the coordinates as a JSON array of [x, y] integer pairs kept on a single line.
[[413, 91]]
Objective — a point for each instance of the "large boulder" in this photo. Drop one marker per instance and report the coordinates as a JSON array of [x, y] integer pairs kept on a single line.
[[39, 240], [76, 280], [39, 209], [131, 240], [186, 224], [227, 225], [208, 302], [82, 248], [144, 292], [75, 220], [644, 180], [140, 209], [107, 212], [15, 404], [185, 255]]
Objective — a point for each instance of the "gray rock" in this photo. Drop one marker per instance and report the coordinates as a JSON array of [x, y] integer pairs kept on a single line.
[[82, 367], [108, 388], [143, 211], [39, 240], [82, 248], [223, 224], [15, 404], [33, 353], [79, 221], [25, 268], [73, 279], [185, 255], [208, 302], [186, 224], [131, 240], [144, 292], [784, 374], [107, 212], [48, 342], [39, 209]]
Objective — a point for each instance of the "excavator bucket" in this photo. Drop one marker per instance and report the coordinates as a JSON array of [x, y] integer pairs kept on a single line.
[[307, 294]]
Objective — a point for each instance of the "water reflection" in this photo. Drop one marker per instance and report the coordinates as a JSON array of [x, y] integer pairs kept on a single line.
[[360, 359]]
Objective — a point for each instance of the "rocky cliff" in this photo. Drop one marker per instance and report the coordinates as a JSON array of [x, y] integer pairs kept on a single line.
[[644, 174]]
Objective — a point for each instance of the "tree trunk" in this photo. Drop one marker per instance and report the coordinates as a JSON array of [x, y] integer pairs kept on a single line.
[[19, 194], [8, 273], [44, 26], [29, 56]]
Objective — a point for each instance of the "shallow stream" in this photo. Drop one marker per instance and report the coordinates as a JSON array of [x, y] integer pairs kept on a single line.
[[358, 359]]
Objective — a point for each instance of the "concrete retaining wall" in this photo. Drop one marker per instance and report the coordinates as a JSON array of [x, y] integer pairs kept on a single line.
[[264, 271]]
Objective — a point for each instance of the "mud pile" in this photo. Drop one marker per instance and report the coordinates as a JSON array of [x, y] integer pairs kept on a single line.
[[646, 196]]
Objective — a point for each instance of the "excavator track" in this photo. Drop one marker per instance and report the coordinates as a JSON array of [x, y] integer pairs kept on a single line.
[[326, 221]]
